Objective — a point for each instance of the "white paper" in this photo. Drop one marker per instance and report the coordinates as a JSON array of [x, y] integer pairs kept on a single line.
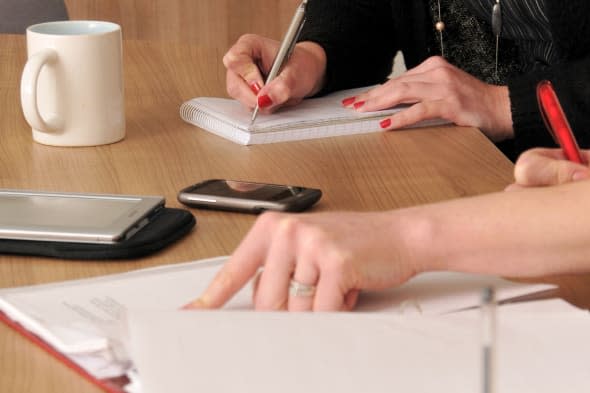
[[312, 118], [292, 353], [86, 318], [205, 351], [313, 111], [442, 292]]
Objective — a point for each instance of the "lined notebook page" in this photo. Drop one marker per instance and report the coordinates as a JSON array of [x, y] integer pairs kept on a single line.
[[312, 118]]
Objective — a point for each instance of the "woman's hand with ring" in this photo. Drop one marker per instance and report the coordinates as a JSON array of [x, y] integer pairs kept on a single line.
[[328, 252]]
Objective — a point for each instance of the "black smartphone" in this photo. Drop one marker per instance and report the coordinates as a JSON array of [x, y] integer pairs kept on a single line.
[[248, 197]]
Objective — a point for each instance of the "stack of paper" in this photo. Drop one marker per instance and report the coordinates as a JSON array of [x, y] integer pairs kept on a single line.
[[85, 323], [537, 351]]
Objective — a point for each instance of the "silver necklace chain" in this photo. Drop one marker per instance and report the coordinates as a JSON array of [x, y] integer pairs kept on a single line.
[[496, 29]]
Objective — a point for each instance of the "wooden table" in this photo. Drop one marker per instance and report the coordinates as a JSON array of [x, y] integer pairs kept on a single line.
[[161, 154]]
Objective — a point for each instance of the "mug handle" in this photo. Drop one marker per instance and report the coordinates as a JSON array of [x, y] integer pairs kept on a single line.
[[28, 91]]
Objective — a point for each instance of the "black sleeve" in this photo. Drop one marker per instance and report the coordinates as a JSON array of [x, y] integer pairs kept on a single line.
[[572, 85], [571, 78], [358, 37]]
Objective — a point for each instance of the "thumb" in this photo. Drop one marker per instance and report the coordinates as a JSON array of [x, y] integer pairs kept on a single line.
[[536, 170]]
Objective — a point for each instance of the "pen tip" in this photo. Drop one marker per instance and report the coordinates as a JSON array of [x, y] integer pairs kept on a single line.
[[254, 114]]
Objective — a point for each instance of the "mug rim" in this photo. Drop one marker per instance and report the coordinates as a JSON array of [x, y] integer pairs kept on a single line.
[[84, 26]]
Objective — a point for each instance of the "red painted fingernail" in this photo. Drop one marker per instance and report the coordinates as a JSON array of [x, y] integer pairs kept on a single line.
[[348, 100], [255, 87], [385, 123], [264, 101], [358, 104]]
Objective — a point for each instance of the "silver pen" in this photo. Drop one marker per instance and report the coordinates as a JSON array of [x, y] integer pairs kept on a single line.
[[287, 45]]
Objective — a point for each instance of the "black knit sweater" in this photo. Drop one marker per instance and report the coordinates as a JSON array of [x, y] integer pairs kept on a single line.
[[360, 38]]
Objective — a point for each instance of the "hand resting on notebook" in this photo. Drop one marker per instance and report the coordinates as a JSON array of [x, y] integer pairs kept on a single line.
[[437, 89], [321, 261]]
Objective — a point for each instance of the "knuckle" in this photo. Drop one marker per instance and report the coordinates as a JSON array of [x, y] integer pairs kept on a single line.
[[442, 73], [233, 90], [237, 56], [226, 278], [230, 58], [313, 239], [288, 226], [435, 61], [439, 60], [248, 38], [522, 173], [269, 219], [452, 103], [314, 244], [445, 112], [565, 172], [281, 90], [402, 88], [336, 263], [400, 119], [420, 110], [526, 156]]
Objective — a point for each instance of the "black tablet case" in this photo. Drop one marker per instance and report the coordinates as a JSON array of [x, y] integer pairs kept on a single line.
[[167, 226]]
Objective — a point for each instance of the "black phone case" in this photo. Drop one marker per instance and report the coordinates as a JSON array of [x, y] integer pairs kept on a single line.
[[167, 226], [294, 204]]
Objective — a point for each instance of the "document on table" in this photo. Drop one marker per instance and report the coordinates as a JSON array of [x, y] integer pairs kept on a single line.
[[85, 320], [540, 348]]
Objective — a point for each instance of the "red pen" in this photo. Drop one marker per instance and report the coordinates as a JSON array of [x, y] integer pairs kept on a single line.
[[557, 123]]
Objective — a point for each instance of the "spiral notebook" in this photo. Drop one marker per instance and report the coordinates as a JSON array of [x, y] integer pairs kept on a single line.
[[313, 118]]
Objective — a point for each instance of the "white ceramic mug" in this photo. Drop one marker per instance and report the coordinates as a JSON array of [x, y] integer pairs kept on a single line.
[[72, 85]]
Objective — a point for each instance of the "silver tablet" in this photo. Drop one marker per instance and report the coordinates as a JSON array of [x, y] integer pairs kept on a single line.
[[71, 217]]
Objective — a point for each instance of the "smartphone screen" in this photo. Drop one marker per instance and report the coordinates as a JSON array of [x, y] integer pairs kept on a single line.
[[248, 196], [247, 190]]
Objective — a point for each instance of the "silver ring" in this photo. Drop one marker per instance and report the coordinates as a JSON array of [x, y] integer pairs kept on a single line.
[[299, 289]]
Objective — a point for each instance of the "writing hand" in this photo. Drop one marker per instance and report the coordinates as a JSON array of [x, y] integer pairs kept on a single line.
[[250, 59], [547, 167]]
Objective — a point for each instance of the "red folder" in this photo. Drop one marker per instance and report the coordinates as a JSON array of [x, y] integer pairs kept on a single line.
[[109, 385]]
